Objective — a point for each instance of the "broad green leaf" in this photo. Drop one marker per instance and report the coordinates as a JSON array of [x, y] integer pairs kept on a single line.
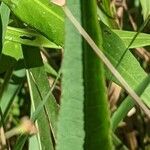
[[28, 37], [129, 67], [145, 8], [45, 17], [84, 102], [141, 40], [71, 116], [39, 87]]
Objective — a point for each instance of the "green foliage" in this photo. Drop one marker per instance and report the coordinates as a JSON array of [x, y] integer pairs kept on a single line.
[[45, 17], [32, 47], [28, 37], [129, 67], [39, 87], [71, 115]]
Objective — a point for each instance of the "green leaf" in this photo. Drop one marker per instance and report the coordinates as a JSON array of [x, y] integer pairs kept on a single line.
[[84, 102], [45, 17], [39, 87], [28, 37], [141, 40], [129, 67], [24, 36], [71, 116]]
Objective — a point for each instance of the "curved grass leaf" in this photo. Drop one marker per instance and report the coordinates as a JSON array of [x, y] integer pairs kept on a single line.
[[45, 17], [141, 40]]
